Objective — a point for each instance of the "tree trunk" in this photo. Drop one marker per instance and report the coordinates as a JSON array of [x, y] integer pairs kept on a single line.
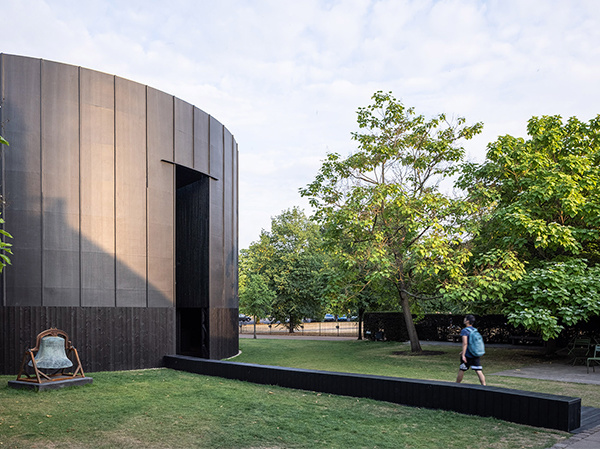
[[255, 318], [415, 346], [550, 347], [361, 312]]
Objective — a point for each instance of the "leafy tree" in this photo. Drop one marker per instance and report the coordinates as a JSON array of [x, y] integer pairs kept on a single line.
[[555, 294], [348, 289], [4, 246], [291, 261], [542, 197], [256, 298], [384, 202]]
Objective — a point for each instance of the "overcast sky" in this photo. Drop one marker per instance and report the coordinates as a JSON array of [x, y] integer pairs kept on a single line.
[[286, 77]]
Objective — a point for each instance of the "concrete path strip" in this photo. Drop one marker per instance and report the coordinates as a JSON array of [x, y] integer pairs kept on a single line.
[[555, 371]]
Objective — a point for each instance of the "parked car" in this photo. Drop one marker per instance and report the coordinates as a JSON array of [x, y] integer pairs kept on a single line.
[[244, 318], [329, 317], [267, 320], [343, 318]]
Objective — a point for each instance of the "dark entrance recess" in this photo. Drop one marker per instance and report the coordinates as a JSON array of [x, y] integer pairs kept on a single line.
[[192, 261]]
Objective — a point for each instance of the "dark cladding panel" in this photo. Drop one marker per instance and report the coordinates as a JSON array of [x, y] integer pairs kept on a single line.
[[22, 178], [236, 223], [216, 216], [130, 192], [224, 338], [216, 148], [184, 133], [21, 127], [230, 256], [97, 189], [160, 200], [60, 184], [201, 144]]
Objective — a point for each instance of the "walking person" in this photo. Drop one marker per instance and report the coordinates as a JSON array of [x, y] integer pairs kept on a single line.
[[472, 350]]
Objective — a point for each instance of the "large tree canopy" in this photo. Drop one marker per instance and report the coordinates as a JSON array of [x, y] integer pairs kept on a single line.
[[288, 264], [544, 191], [543, 200], [382, 208]]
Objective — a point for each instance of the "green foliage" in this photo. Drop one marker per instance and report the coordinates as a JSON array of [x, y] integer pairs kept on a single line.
[[489, 277], [543, 193], [290, 263], [541, 198], [256, 297], [554, 295], [348, 292], [381, 208], [4, 246]]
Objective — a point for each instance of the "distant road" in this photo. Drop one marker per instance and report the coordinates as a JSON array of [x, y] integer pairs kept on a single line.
[[296, 336], [346, 329]]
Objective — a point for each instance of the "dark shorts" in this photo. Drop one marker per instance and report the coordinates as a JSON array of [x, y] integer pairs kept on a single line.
[[472, 362]]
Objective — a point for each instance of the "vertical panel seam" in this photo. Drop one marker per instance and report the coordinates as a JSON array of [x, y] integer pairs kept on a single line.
[[210, 288], [3, 172], [115, 188], [174, 237], [174, 200], [193, 137], [235, 219], [223, 240], [208, 144], [41, 183], [147, 198], [174, 152], [79, 183]]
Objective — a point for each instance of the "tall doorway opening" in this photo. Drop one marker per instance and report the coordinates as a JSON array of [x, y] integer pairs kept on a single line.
[[192, 258]]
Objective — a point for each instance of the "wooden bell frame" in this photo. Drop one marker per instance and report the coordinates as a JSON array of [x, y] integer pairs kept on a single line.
[[40, 377]]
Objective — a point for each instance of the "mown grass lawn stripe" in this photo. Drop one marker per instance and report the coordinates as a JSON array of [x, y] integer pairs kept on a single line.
[[170, 409]]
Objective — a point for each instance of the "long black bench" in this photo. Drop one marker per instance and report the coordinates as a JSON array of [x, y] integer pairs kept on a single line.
[[523, 407]]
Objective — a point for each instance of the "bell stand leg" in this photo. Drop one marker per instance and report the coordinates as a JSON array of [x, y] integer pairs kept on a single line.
[[79, 367], [22, 371], [38, 373]]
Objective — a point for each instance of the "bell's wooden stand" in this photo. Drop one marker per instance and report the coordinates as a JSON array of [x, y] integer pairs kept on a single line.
[[39, 380]]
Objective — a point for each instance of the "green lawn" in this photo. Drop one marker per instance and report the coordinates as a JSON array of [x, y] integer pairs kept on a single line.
[[170, 409]]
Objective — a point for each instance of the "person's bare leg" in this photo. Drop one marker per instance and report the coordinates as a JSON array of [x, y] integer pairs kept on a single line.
[[460, 376], [481, 377]]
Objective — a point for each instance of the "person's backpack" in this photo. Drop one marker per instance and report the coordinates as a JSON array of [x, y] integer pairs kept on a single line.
[[475, 343]]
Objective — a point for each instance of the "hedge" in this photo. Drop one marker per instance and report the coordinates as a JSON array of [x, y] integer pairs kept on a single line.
[[445, 327]]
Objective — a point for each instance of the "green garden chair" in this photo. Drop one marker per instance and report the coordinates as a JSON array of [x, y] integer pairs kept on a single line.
[[595, 359], [579, 349]]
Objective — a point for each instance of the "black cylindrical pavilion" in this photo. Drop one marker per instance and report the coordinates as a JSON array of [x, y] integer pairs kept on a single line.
[[122, 201]]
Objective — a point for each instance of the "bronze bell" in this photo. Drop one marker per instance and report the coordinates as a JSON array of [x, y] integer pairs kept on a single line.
[[52, 354]]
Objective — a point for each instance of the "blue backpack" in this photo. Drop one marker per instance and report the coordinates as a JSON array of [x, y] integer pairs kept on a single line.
[[475, 346]]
